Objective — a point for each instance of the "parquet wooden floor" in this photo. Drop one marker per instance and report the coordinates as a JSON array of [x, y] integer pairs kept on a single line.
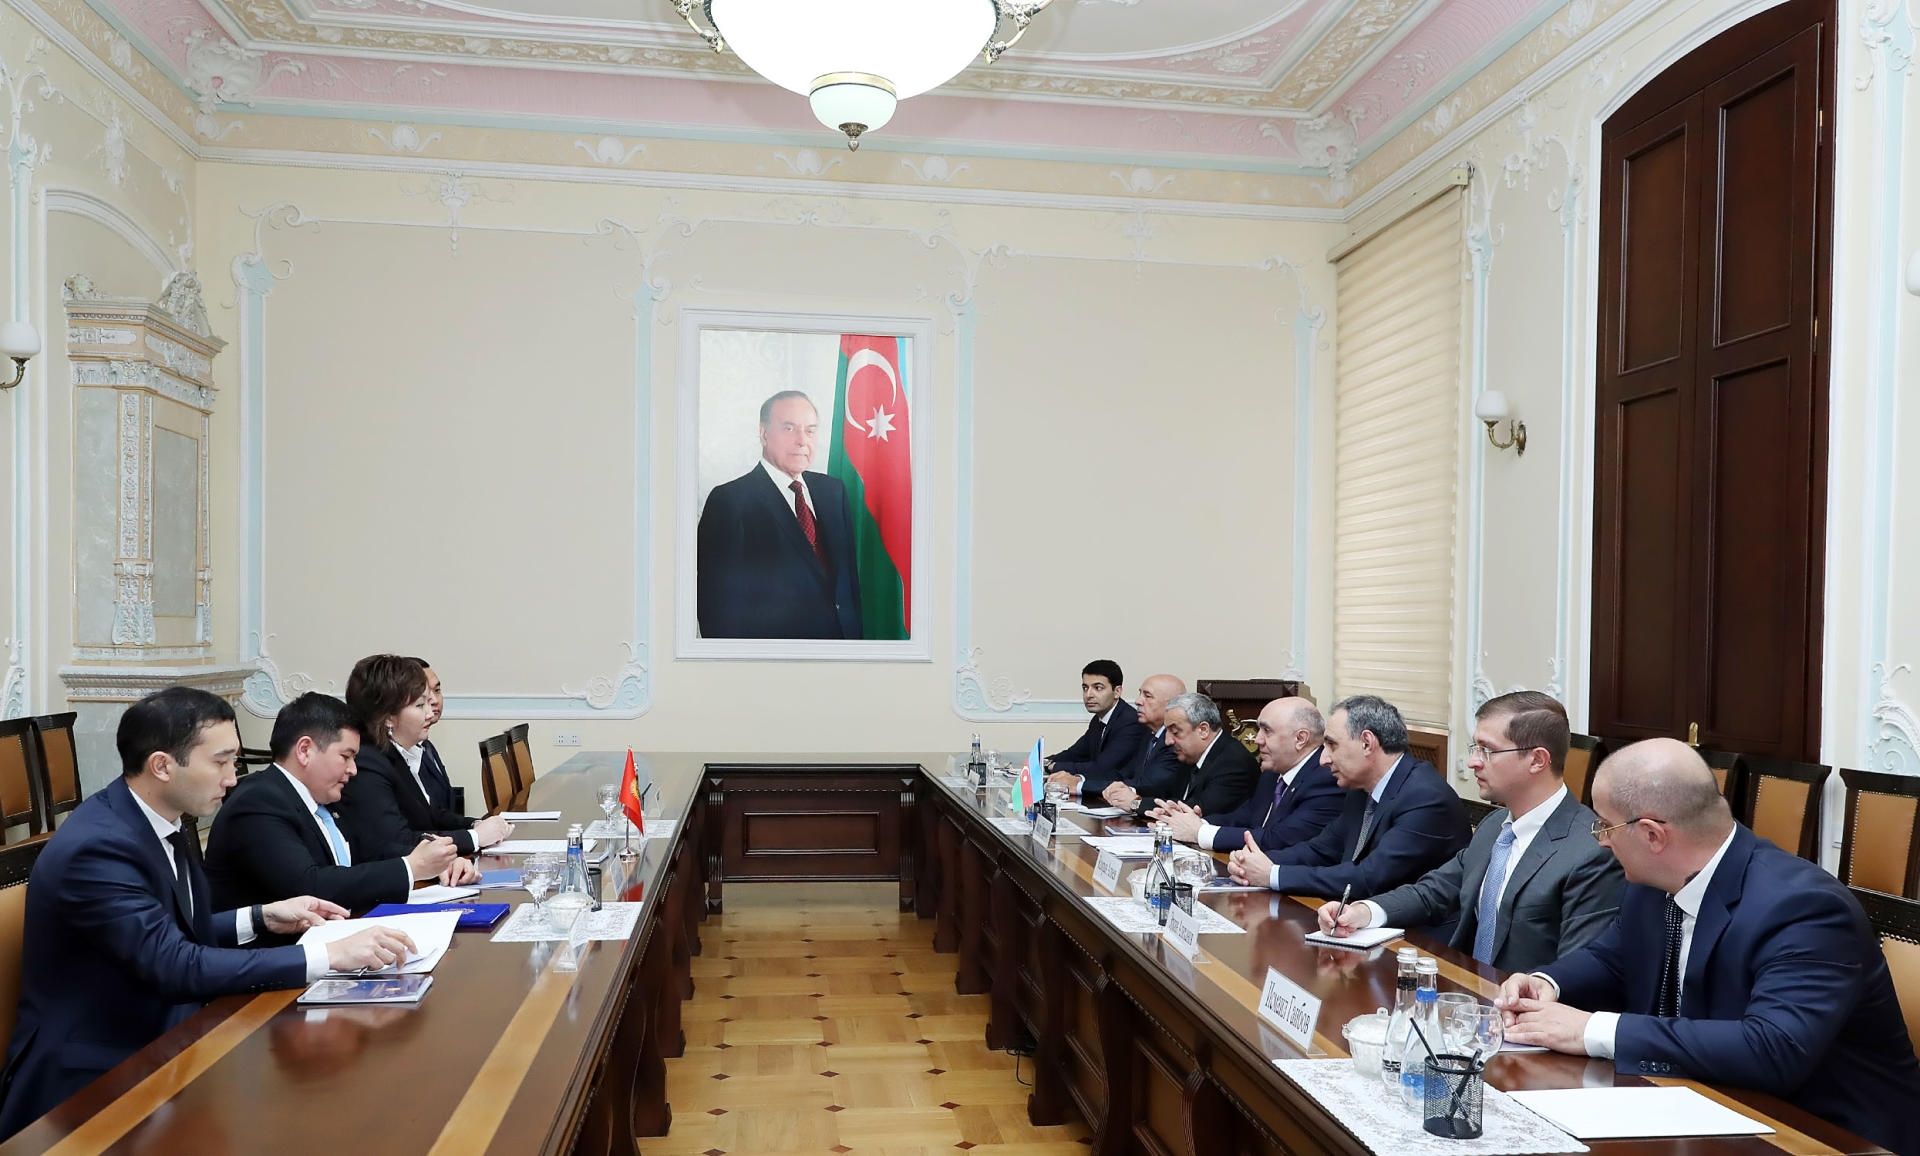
[[822, 1021]]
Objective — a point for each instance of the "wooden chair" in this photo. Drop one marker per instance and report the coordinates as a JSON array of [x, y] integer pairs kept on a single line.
[[19, 780], [1477, 810], [497, 780], [252, 759], [1584, 753], [522, 758], [1881, 847], [16, 864], [1730, 771], [1784, 802], [59, 768], [1897, 921]]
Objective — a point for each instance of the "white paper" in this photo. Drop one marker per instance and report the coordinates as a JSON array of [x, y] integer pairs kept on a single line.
[[431, 932], [1211, 922], [529, 816], [1126, 913], [1103, 812], [1633, 1113], [1364, 938], [1125, 846], [434, 893], [613, 921], [618, 829], [533, 846]]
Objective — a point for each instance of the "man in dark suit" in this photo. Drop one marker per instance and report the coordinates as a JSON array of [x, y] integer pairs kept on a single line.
[[1731, 962], [121, 938], [1534, 884], [275, 836], [1156, 770], [1113, 737], [1401, 818], [775, 550], [1224, 772], [433, 769], [1294, 799]]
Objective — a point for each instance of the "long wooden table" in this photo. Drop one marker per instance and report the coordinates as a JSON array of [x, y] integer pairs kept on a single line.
[[508, 1056]]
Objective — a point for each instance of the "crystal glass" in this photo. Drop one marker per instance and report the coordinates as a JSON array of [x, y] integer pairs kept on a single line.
[[540, 874], [1479, 1028], [608, 796], [1451, 1002], [1056, 792]]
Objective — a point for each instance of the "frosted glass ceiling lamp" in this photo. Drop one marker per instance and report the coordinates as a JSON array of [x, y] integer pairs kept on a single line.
[[19, 341], [855, 60]]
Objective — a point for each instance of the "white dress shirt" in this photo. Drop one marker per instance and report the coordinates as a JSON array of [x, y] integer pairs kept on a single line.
[[244, 931], [313, 812], [415, 757], [1379, 789], [784, 482], [1524, 829], [1208, 830], [1602, 1026]]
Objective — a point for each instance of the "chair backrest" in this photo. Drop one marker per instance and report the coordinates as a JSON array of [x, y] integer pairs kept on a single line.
[[1881, 847], [252, 759], [496, 772], [1786, 802], [16, 864], [1584, 753], [1730, 771], [60, 764], [1477, 810], [1898, 922], [19, 779], [522, 757]]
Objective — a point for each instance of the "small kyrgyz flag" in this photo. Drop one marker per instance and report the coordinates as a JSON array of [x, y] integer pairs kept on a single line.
[[873, 457], [1030, 776], [630, 795]]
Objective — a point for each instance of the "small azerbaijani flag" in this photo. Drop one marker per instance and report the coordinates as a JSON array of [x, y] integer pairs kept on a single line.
[[1030, 777], [630, 796]]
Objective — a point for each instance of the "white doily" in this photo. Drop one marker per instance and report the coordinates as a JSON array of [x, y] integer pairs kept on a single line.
[[1363, 1107]]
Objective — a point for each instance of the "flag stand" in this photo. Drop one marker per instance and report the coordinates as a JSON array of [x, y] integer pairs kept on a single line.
[[627, 853]]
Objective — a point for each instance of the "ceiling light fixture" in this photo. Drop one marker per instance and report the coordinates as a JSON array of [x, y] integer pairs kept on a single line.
[[855, 60]]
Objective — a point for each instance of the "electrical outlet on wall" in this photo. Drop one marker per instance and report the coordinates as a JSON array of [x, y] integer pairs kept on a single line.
[[566, 739]]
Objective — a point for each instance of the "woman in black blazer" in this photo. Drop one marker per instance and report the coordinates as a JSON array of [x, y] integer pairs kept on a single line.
[[383, 810]]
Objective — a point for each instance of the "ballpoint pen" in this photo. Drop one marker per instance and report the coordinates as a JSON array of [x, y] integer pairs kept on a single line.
[[1345, 895]]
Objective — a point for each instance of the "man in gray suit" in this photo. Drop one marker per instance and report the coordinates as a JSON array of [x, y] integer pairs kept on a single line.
[[1534, 884]]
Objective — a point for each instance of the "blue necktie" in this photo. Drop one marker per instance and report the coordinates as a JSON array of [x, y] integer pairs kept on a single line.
[[340, 854], [1488, 913]]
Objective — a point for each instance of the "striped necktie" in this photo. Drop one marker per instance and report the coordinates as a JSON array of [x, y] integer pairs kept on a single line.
[[1488, 913]]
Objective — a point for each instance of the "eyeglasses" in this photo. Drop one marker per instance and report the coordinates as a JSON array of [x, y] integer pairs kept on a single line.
[[1476, 751], [1600, 826]]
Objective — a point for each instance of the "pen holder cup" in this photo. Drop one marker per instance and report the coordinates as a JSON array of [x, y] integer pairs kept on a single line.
[[1183, 897], [1048, 811], [1455, 1097]]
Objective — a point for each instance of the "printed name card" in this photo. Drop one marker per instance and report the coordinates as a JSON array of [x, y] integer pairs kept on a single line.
[[1106, 871], [1042, 830], [1288, 1006], [1183, 931]]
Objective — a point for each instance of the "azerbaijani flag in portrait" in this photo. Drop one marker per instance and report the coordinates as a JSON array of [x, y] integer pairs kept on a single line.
[[873, 457], [1031, 776]]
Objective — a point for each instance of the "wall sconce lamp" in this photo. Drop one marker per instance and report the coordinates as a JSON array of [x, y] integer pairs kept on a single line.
[[19, 341], [1492, 408]]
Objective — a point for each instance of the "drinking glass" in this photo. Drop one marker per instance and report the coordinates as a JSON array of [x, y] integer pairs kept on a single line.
[[540, 874], [563, 911], [1451, 1033], [608, 796], [1056, 792], [1479, 1028]]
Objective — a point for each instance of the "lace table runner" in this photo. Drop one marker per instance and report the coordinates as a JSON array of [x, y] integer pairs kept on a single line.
[[1379, 1120]]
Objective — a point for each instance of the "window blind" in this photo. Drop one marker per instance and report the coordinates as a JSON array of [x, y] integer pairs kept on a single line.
[[1399, 298]]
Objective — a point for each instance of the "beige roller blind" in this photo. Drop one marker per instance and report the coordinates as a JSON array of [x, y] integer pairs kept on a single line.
[[1396, 450]]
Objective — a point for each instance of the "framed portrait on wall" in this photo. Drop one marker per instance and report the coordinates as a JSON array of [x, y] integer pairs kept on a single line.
[[802, 486]]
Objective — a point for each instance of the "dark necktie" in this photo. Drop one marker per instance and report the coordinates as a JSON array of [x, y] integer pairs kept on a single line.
[[1667, 1002], [1099, 730], [1280, 789], [182, 872], [1366, 828], [804, 512]]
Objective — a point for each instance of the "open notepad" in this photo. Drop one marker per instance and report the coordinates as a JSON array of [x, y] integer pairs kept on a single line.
[[1364, 938], [1624, 1113], [431, 932]]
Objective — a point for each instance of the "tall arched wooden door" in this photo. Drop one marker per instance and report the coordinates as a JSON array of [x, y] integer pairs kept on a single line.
[[1710, 449]]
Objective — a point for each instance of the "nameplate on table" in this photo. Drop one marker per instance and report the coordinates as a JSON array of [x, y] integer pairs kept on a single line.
[[1290, 1008], [1106, 871], [1183, 931], [1042, 830]]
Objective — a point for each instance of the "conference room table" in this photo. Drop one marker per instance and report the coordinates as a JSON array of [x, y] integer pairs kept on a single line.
[[508, 1054]]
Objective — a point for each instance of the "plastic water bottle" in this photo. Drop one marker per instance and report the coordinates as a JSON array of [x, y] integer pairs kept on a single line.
[[1413, 1063], [1399, 1029], [576, 877], [1160, 874]]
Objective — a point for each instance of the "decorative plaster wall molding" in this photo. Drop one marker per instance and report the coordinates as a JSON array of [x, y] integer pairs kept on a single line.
[[125, 684], [1895, 742]]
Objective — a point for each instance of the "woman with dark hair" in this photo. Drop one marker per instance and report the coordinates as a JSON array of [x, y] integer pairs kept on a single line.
[[383, 810]]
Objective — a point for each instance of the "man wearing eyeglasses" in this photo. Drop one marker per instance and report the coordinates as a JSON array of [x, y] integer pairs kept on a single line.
[[1731, 961], [1534, 884]]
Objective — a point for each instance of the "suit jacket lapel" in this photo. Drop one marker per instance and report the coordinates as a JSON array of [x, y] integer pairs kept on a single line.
[[158, 862], [1716, 911], [1545, 842], [310, 835], [1402, 770]]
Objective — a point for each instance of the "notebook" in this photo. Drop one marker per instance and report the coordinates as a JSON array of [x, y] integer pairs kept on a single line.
[[390, 989], [473, 916]]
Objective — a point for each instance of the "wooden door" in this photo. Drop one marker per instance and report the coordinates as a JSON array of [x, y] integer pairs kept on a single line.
[[1710, 481]]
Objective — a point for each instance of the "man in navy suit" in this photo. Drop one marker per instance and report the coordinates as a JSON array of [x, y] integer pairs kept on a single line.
[[1731, 962], [1224, 772], [1113, 737], [775, 552], [1294, 799], [1156, 770], [121, 940], [1401, 819]]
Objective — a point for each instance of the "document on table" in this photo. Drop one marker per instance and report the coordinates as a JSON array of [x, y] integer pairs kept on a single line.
[[532, 846], [1635, 1113], [1093, 812], [431, 932], [1125, 846], [434, 893], [500, 879], [1126, 913], [612, 921], [529, 816], [1011, 824], [1364, 938], [618, 829]]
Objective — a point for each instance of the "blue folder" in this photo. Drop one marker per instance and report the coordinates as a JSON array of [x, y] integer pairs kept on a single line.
[[473, 916]]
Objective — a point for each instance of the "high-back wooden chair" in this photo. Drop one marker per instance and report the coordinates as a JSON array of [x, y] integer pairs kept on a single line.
[[1584, 753], [252, 759], [1784, 802], [1730, 771], [1881, 847], [522, 757], [16, 864], [19, 780], [59, 765], [1898, 922], [496, 772]]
